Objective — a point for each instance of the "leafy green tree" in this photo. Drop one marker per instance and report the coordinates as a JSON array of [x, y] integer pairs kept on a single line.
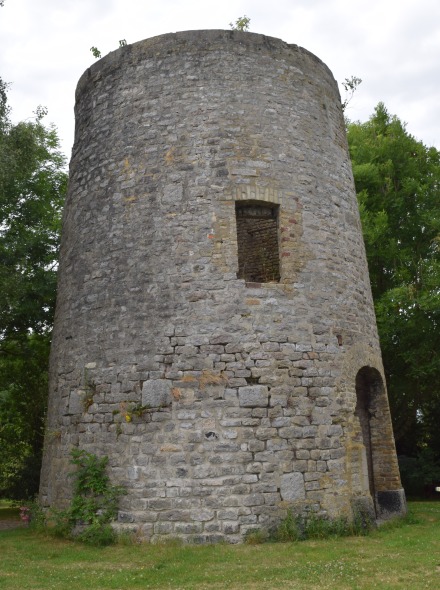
[[32, 187], [398, 185], [23, 400]]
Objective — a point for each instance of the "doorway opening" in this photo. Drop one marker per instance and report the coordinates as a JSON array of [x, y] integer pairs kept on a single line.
[[369, 387]]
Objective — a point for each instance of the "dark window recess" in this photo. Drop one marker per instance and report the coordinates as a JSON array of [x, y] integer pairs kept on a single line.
[[257, 236]]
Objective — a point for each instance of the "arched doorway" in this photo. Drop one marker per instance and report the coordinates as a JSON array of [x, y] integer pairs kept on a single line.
[[369, 389]]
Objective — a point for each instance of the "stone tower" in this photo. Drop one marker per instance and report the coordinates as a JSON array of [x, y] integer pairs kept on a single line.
[[215, 333]]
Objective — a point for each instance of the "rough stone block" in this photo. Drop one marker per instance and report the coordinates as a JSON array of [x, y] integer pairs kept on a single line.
[[76, 403], [253, 396], [292, 487], [156, 393]]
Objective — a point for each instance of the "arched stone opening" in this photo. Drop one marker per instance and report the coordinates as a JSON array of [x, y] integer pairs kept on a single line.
[[369, 386], [378, 465]]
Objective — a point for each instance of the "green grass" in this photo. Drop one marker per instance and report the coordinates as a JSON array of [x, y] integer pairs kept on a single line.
[[399, 555], [8, 511]]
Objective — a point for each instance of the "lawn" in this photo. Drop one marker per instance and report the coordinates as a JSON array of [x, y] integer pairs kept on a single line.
[[405, 555], [7, 511]]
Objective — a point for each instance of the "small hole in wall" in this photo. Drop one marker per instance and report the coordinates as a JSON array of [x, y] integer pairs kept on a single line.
[[339, 337], [252, 380], [211, 435]]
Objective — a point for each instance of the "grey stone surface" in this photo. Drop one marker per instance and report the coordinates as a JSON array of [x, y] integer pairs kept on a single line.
[[252, 389], [156, 393], [76, 401], [253, 396]]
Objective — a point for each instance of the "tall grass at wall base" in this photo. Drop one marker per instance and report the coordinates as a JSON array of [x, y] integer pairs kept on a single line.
[[295, 528]]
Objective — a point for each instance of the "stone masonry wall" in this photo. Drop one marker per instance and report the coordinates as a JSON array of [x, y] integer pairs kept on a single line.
[[221, 404]]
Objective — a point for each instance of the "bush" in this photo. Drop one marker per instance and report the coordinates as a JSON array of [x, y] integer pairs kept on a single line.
[[95, 500], [98, 534], [94, 503]]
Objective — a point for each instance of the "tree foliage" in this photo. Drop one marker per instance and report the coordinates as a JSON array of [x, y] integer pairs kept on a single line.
[[350, 86], [95, 52], [398, 185], [32, 187], [241, 24]]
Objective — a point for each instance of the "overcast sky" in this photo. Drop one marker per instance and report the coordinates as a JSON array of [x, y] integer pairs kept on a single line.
[[393, 45]]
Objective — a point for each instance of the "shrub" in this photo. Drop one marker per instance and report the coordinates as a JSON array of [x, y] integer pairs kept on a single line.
[[95, 500], [98, 534], [94, 503]]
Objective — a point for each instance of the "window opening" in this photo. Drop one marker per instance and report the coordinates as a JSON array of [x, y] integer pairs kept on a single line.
[[257, 237]]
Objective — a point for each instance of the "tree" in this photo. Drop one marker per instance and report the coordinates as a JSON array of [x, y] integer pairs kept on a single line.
[[350, 86], [32, 188], [398, 185], [241, 24]]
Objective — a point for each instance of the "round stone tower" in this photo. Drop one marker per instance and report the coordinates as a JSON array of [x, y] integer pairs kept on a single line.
[[215, 333]]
